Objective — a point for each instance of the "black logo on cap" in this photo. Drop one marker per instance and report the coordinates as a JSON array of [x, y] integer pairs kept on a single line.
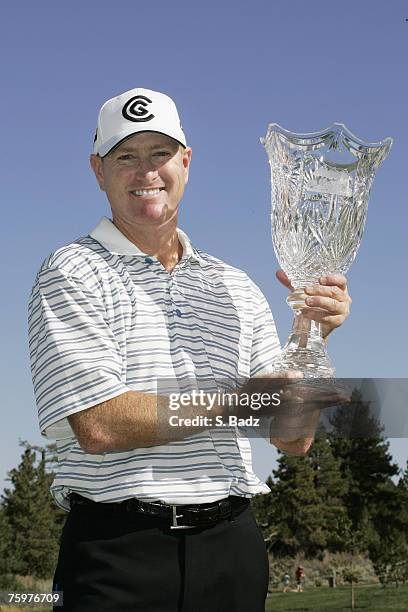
[[136, 109]]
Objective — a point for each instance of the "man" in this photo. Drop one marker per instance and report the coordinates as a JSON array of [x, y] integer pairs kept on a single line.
[[159, 515]]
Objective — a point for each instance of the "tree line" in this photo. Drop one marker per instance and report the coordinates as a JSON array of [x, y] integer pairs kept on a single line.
[[340, 497]]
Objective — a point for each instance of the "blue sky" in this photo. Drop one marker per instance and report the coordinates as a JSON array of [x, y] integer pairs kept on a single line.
[[232, 67]]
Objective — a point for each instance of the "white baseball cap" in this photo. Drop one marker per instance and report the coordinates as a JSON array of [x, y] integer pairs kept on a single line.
[[136, 110]]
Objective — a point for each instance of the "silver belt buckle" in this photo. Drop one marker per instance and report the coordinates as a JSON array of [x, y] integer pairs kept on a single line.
[[175, 516]]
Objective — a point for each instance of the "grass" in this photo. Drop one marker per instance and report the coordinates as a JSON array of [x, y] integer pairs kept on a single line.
[[370, 598], [7, 608]]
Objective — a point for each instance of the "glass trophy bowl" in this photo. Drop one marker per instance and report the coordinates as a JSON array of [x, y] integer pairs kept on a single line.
[[320, 186]]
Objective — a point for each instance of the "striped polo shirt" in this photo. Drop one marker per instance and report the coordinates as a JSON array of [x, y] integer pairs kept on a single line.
[[106, 318]]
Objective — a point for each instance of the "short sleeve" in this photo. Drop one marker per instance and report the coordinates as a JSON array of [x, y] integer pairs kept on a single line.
[[265, 341], [265, 348], [75, 359]]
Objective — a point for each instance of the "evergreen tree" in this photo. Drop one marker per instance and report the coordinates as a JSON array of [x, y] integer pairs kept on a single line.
[[340, 496], [304, 511], [261, 507], [331, 488], [295, 508], [5, 539], [355, 419], [403, 492], [374, 503], [19, 511], [403, 481], [33, 519], [365, 461], [390, 553]]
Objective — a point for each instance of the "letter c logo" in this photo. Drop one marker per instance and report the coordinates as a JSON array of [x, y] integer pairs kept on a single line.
[[136, 109]]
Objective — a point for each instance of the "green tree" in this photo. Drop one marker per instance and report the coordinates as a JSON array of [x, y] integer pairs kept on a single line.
[[403, 492], [34, 522], [291, 512], [403, 481], [390, 552], [341, 496], [261, 506], [6, 562], [304, 511], [331, 488], [374, 503]]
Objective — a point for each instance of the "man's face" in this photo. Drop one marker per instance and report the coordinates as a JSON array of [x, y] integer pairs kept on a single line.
[[144, 178]]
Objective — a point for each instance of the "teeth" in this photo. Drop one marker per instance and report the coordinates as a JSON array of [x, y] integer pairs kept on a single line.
[[144, 192]]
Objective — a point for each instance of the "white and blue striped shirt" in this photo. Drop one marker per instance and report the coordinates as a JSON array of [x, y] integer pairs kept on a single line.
[[104, 319]]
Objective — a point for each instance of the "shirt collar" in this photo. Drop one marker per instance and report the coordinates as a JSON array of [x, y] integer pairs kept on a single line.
[[112, 239]]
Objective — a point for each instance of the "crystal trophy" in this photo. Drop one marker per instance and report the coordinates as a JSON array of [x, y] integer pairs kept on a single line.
[[320, 185]]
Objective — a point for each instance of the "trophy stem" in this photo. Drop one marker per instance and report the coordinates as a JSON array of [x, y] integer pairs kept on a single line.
[[305, 349]]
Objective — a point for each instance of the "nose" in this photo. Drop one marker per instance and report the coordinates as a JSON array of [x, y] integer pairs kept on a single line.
[[145, 167]]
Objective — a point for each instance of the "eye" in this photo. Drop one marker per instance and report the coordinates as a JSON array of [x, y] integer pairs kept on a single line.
[[161, 153], [125, 157]]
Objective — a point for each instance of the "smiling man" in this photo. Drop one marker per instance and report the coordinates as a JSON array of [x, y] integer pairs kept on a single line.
[[159, 516], [144, 179]]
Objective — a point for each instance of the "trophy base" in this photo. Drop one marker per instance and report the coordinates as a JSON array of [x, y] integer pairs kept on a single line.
[[312, 363]]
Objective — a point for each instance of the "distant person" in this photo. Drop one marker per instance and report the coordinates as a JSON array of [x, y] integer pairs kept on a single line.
[[286, 583], [300, 578]]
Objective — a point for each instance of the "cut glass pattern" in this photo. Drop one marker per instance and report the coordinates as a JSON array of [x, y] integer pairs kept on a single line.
[[320, 185]]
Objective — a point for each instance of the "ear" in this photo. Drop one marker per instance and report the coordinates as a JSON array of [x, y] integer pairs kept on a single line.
[[97, 166], [186, 159]]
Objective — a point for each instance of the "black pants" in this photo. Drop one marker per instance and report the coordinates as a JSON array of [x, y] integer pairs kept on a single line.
[[116, 561]]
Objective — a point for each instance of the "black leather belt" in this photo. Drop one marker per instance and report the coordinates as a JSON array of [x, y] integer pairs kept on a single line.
[[180, 517]]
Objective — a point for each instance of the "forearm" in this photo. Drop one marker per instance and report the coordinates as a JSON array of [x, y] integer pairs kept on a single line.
[[136, 420]]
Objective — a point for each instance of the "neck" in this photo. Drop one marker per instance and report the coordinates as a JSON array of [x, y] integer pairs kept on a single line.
[[160, 241]]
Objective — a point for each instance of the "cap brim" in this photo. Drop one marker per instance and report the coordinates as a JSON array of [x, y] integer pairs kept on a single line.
[[111, 144]]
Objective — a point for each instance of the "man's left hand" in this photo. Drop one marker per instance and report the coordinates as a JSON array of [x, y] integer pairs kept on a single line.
[[328, 303]]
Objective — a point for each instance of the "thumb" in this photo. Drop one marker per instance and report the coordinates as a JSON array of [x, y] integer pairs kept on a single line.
[[282, 277]]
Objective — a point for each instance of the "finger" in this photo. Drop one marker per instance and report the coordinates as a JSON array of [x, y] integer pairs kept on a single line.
[[332, 291], [334, 279], [319, 316], [283, 278], [330, 305]]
